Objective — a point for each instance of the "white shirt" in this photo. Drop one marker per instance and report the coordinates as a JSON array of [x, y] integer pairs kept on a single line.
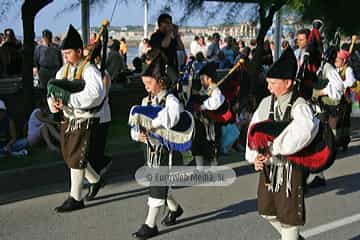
[[105, 112], [169, 116], [202, 49], [91, 96], [193, 48], [214, 101], [335, 88], [34, 124], [349, 77]]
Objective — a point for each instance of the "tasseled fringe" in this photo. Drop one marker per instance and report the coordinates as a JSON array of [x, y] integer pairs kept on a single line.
[[154, 157], [210, 131], [276, 176], [75, 124], [137, 120], [58, 93], [288, 180]]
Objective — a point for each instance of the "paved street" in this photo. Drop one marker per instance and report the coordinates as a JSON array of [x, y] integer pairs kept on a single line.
[[333, 212]]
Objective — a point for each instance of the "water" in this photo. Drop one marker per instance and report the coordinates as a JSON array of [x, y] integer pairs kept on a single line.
[[132, 53]]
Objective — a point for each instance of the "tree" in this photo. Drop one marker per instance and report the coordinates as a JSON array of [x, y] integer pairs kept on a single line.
[[29, 10], [334, 13]]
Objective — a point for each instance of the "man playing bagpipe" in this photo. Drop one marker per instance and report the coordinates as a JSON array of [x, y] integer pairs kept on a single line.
[[211, 109], [78, 92], [165, 127], [280, 189], [309, 55]]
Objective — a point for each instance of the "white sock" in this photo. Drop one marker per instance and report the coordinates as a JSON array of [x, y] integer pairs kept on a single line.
[[289, 232], [312, 177], [77, 180], [91, 175], [171, 203], [213, 162], [320, 175], [199, 160], [274, 222], [151, 217]]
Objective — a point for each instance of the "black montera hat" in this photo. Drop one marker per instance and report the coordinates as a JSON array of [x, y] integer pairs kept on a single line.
[[156, 69], [285, 67], [72, 40], [210, 70]]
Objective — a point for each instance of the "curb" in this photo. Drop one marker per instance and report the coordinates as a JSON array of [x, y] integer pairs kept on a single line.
[[33, 177]]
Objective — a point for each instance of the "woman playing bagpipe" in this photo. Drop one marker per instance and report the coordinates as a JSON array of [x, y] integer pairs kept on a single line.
[[78, 92], [347, 75], [327, 95], [165, 127], [280, 189]]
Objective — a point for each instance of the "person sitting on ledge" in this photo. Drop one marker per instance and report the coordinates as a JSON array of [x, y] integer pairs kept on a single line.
[[9, 146], [42, 127]]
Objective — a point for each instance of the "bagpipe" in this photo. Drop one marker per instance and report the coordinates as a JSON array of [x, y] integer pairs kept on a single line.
[[62, 88], [307, 76], [224, 113], [317, 156], [178, 138]]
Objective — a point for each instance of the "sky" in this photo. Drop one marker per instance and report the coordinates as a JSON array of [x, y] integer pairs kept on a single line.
[[125, 14]]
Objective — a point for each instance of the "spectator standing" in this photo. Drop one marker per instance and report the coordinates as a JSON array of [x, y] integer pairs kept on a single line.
[[123, 49], [115, 63], [47, 59], [194, 46], [167, 39], [214, 48], [12, 49]]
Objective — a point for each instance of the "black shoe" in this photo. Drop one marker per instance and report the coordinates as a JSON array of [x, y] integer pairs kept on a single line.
[[345, 148], [170, 218], [301, 237], [145, 232], [94, 189], [317, 182], [107, 166], [69, 205]]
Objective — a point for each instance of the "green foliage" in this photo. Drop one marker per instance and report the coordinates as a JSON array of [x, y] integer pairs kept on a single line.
[[5, 7], [334, 13]]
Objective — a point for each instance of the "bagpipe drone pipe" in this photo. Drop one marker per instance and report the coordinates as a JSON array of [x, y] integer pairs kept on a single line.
[[178, 138]]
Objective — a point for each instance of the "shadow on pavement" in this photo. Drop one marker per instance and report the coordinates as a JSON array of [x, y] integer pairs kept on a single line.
[[352, 150], [242, 170], [343, 184], [355, 238], [124, 195], [231, 211]]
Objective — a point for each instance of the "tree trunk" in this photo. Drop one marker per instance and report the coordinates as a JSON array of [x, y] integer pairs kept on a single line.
[[258, 87], [29, 10]]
